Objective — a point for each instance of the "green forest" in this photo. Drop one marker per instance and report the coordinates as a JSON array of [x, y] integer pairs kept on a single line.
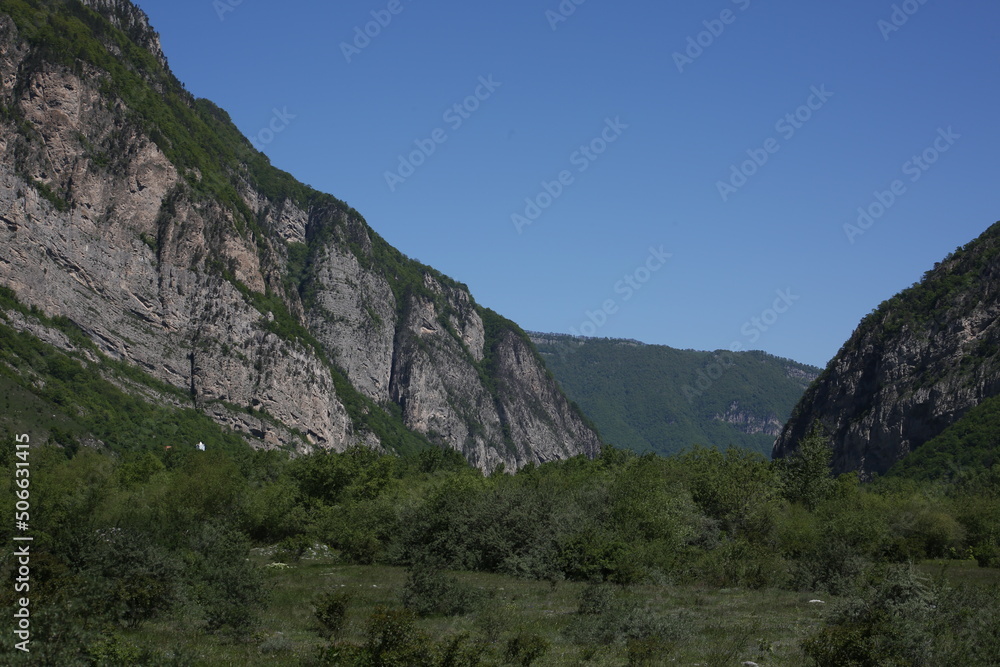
[[654, 398]]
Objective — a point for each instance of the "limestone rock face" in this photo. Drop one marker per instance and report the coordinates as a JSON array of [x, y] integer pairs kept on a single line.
[[750, 422], [913, 367], [275, 307]]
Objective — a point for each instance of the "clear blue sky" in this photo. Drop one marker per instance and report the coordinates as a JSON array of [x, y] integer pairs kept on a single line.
[[657, 183]]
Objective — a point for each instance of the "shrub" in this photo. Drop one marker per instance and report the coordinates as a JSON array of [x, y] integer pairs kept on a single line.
[[987, 555], [967, 631], [649, 651], [292, 548], [741, 563], [525, 648], [132, 580], [591, 555], [606, 617], [494, 618], [886, 625], [832, 567], [597, 598], [113, 650], [392, 639], [341, 653], [228, 587], [331, 611], [430, 592], [458, 651]]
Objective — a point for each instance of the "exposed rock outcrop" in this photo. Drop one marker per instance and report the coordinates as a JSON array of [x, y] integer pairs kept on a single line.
[[225, 277], [749, 422], [913, 367]]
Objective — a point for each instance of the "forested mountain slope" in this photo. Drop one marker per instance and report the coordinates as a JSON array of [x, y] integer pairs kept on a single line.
[[657, 398]]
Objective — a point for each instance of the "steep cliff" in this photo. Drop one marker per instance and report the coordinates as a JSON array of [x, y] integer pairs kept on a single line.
[[913, 367], [143, 216]]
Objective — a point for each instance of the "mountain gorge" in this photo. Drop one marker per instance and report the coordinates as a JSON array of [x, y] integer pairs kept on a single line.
[[920, 371], [141, 216]]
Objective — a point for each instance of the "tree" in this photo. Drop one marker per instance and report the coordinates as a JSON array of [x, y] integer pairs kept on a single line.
[[804, 475]]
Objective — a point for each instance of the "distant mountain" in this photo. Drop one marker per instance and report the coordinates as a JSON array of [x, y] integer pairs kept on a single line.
[[141, 219], [660, 399], [913, 373]]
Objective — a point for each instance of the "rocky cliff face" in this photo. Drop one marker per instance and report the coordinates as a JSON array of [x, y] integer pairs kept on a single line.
[[144, 217], [750, 422], [913, 367]]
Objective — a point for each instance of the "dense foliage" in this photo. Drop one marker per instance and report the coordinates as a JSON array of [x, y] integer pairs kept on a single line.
[[944, 292], [139, 536], [969, 446], [659, 399]]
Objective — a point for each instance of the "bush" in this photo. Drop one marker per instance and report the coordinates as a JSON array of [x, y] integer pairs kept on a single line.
[[606, 617], [114, 650], [649, 651], [228, 587], [525, 648], [494, 618], [887, 625], [392, 640], [596, 598], [430, 592], [331, 611], [592, 555], [341, 653], [741, 563], [292, 548], [132, 580], [987, 555], [832, 567], [458, 651], [967, 630], [60, 635]]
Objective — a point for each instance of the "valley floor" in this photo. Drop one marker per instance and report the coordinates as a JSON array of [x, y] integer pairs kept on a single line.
[[713, 626]]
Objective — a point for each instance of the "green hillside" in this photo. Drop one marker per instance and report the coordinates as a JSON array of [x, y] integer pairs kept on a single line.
[[970, 445], [660, 399]]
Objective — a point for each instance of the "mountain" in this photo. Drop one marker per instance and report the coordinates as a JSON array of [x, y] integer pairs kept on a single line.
[[139, 216], [913, 369], [656, 398]]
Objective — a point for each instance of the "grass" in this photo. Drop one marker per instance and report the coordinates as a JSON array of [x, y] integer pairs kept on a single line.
[[725, 626], [958, 572]]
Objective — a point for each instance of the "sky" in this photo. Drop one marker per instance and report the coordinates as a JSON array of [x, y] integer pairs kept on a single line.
[[724, 174]]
